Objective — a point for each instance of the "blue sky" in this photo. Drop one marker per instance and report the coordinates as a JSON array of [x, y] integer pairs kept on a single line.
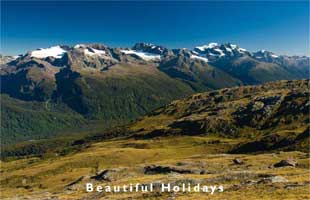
[[282, 27]]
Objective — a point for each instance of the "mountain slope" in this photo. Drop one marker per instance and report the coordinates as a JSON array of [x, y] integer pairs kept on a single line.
[[197, 73], [22, 120], [123, 92], [269, 117], [246, 111], [116, 96], [251, 71]]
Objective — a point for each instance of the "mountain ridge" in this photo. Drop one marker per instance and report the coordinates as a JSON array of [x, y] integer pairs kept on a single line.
[[155, 47], [98, 82]]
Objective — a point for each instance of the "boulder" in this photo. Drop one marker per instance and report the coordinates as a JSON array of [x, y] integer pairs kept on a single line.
[[238, 161], [284, 163], [273, 179], [105, 175], [153, 169]]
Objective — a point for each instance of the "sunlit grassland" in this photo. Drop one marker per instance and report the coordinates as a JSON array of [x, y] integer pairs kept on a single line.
[[53, 174]]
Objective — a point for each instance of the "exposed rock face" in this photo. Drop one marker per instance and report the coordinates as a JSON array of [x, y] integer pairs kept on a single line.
[[150, 48], [255, 111]]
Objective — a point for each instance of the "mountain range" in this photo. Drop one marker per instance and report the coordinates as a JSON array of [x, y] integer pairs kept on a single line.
[[49, 90]]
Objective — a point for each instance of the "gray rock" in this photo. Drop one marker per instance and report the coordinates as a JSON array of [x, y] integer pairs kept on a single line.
[[273, 179], [238, 161], [284, 163], [153, 169], [105, 175]]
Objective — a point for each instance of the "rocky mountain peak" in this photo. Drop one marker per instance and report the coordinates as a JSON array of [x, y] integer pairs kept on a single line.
[[92, 49], [214, 51], [149, 48], [264, 55]]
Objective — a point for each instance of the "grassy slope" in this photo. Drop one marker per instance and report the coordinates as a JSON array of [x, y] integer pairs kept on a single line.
[[250, 111], [38, 178]]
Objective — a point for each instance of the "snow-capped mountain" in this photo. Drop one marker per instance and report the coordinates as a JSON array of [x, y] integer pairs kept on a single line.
[[211, 52], [91, 50], [296, 63], [149, 48], [265, 56], [227, 57], [96, 81], [146, 51], [214, 51]]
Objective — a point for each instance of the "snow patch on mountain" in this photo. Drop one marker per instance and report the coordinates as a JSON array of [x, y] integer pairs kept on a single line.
[[90, 51], [228, 49], [264, 55], [199, 58], [233, 46], [143, 55], [79, 46], [220, 52], [56, 52], [209, 46], [94, 52], [214, 51]]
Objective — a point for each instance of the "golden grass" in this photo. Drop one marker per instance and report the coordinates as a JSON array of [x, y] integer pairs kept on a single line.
[[49, 177]]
